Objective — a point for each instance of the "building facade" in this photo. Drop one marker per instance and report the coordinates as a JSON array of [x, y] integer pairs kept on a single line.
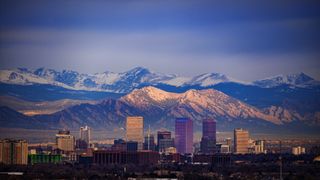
[[134, 130], [298, 150], [14, 152], [65, 141], [149, 143], [164, 140], [85, 135], [259, 147], [184, 135], [241, 141], [208, 140]]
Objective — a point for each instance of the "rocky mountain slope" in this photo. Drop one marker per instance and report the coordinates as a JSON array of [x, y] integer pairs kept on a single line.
[[159, 109]]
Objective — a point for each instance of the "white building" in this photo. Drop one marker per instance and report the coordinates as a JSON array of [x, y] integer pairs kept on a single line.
[[85, 134], [298, 150]]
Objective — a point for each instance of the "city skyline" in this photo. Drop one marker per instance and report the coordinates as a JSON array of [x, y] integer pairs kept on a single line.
[[171, 89]]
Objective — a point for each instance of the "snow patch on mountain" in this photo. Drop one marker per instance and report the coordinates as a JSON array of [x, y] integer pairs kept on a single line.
[[195, 103], [125, 82], [294, 80]]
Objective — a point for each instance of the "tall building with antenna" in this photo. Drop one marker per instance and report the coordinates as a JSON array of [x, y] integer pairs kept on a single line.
[[149, 141]]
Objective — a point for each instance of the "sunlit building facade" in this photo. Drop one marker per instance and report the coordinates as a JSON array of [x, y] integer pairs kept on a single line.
[[65, 141], [241, 141], [134, 130], [14, 152]]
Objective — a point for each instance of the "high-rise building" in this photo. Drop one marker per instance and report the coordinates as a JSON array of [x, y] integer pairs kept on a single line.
[[184, 135], [149, 143], [259, 147], [228, 141], [298, 150], [241, 138], [164, 144], [208, 140], [225, 148], [119, 145], [134, 130], [163, 135], [85, 135], [13, 151], [65, 141], [164, 140]]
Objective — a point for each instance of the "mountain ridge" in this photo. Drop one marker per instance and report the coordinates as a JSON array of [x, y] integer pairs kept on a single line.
[[159, 108], [125, 82]]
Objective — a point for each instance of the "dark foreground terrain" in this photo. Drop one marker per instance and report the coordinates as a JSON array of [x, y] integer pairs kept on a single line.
[[174, 171]]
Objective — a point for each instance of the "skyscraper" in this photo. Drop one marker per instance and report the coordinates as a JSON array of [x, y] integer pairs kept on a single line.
[[65, 141], [241, 138], [134, 130], [149, 143], [259, 146], [184, 135], [164, 140], [208, 140], [85, 136], [13, 151]]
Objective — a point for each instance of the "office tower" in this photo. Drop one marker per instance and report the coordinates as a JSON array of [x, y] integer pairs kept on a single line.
[[259, 146], [208, 140], [119, 145], [163, 135], [225, 148], [134, 130], [164, 140], [85, 135], [241, 138], [184, 135], [229, 142], [149, 143], [13, 151], [164, 144], [65, 141], [298, 150]]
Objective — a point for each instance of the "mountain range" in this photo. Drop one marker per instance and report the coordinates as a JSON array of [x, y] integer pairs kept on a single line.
[[159, 109], [49, 99], [127, 81]]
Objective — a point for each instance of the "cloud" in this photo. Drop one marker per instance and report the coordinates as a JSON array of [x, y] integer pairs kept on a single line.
[[181, 52]]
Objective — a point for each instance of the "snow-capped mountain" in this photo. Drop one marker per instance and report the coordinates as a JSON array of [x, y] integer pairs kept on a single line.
[[107, 81], [294, 80], [159, 108], [208, 79], [194, 104], [137, 77]]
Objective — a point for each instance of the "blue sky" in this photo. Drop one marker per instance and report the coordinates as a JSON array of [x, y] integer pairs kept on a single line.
[[247, 40]]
